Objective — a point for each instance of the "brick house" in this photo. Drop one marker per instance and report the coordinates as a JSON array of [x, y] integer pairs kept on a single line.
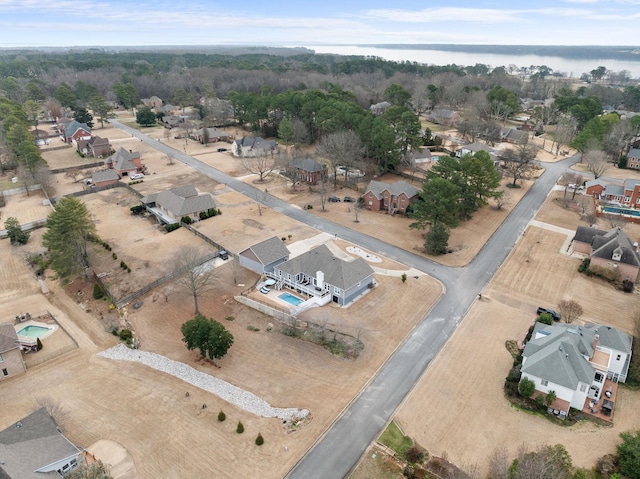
[[392, 198], [611, 249], [306, 170], [74, 131], [124, 162], [95, 146], [104, 177], [514, 136], [152, 102], [595, 188], [248, 146], [625, 195], [11, 363], [633, 159], [213, 135], [444, 117], [169, 206]]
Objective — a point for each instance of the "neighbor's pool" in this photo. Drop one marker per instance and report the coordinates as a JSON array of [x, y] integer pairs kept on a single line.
[[291, 299], [621, 211], [435, 158], [33, 331]]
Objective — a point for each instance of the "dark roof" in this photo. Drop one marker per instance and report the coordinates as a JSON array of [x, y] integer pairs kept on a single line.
[[395, 189], [612, 242], [122, 160], [8, 338], [184, 200], [74, 126], [306, 164], [269, 251], [513, 134], [338, 273], [104, 175], [585, 234], [634, 153], [31, 444]]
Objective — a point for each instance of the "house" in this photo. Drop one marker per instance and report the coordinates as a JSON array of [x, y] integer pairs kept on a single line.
[[392, 198], [626, 194], [574, 361], [168, 109], [633, 158], [124, 162], [264, 256], [152, 102], [173, 121], [104, 177], [611, 249], [212, 135], [595, 188], [418, 156], [306, 170], [74, 131], [379, 108], [319, 274], [444, 117], [11, 363], [514, 136], [473, 148], [171, 205], [35, 448], [94, 146], [248, 146]]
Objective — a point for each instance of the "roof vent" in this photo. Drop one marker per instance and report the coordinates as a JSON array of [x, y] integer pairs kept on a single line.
[[18, 424], [566, 356]]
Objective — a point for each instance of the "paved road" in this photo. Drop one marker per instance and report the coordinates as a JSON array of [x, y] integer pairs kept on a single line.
[[336, 453]]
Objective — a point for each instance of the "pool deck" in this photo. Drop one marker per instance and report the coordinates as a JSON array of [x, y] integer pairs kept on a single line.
[[31, 340]]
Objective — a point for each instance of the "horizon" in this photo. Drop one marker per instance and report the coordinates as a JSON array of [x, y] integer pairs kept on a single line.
[[120, 24]]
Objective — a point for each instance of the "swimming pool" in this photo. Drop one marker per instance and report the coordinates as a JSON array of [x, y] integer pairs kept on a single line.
[[435, 158], [621, 211], [34, 331], [291, 299]]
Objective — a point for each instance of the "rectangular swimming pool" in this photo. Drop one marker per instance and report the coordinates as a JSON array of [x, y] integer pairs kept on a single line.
[[621, 211], [291, 299]]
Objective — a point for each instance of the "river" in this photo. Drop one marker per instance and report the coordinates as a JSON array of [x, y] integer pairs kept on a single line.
[[571, 67]]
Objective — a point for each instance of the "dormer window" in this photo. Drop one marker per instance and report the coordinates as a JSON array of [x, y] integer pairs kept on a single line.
[[617, 254]]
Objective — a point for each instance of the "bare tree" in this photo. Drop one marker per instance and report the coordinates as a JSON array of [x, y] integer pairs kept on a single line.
[[615, 221], [261, 164], [519, 162], [194, 277], [499, 464], [565, 131], [597, 162], [570, 310], [73, 174], [502, 200], [343, 148], [169, 158], [53, 407], [42, 176]]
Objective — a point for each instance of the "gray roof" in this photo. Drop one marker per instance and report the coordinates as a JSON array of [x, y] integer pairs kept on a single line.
[[306, 164], [104, 175], [213, 133], [122, 159], [73, 126], [395, 189], [585, 234], [8, 338], [513, 134], [269, 251], [630, 184], [184, 200], [610, 337], [610, 189], [634, 153], [442, 113], [599, 181], [339, 273], [603, 246], [255, 142], [31, 444]]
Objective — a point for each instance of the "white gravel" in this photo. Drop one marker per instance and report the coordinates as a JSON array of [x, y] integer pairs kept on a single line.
[[230, 393]]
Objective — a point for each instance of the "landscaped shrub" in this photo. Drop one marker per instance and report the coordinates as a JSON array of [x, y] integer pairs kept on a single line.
[[230, 318], [186, 220], [38, 344], [259, 440], [171, 227], [584, 266], [545, 318], [416, 454], [551, 396], [137, 209], [609, 274], [122, 264], [526, 387], [114, 256], [240, 428], [97, 292], [125, 334], [222, 416], [627, 286]]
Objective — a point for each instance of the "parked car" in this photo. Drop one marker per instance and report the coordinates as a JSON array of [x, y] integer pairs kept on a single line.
[[220, 150], [334, 199], [540, 310], [136, 176], [576, 187], [349, 199], [223, 255]]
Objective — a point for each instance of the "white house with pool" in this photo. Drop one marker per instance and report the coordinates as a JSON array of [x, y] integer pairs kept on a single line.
[[320, 278]]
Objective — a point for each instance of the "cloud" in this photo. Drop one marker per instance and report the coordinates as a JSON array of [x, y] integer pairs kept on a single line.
[[444, 14]]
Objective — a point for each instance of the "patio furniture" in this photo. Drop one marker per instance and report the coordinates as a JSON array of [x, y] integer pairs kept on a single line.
[[607, 407]]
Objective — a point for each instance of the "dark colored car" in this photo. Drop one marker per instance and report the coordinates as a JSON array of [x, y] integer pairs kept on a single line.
[[223, 255], [221, 150], [556, 316], [349, 199], [334, 199]]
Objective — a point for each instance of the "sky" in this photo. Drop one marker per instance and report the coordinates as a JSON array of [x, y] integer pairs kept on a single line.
[[25, 23]]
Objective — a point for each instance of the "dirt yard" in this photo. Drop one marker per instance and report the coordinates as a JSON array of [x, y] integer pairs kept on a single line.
[[26, 208], [467, 376]]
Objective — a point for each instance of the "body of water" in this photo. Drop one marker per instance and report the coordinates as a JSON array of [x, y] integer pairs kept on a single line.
[[571, 67]]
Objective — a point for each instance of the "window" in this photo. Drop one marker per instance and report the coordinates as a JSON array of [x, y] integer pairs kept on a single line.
[[5, 372], [544, 382], [1, 358], [599, 377]]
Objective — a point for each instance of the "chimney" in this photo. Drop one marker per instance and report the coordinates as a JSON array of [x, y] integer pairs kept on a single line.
[[319, 280], [595, 341]]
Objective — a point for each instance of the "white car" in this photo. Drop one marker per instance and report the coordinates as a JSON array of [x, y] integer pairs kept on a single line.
[[136, 176], [576, 187]]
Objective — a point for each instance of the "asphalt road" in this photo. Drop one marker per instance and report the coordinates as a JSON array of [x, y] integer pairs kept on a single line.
[[337, 452]]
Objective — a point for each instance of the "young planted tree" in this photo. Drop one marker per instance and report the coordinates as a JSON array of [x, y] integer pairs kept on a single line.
[[526, 387], [14, 231], [208, 336], [68, 229], [193, 278], [570, 310]]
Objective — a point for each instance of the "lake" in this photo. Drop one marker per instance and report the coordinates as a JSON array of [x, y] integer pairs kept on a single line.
[[572, 67]]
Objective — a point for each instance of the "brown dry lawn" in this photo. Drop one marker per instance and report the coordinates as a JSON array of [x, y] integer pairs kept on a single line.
[[467, 376]]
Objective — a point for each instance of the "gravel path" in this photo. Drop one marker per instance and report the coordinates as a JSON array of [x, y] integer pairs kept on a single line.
[[230, 393]]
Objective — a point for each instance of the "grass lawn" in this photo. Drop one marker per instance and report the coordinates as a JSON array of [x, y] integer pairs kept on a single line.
[[393, 438], [5, 183]]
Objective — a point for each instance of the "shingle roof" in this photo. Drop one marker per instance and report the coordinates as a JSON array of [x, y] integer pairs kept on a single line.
[[630, 184], [603, 246], [255, 142], [599, 181], [269, 250], [585, 234], [8, 338], [617, 190], [104, 175], [122, 160], [634, 153], [513, 134], [306, 164], [338, 273], [395, 189], [184, 200], [74, 126]]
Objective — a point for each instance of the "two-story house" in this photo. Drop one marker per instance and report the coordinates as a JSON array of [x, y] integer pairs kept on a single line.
[[392, 198]]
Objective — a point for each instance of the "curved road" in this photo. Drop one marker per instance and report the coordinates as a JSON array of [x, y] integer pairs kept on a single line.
[[336, 453]]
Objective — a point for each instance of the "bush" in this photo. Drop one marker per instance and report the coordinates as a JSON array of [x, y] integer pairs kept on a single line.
[[230, 318], [551, 396], [545, 318], [114, 256], [125, 334], [222, 416], [584, 266], [186, 220], [38, 344], [627, 286], [97, 292], [172, 227], [416, 454], [137, 209], [259, 440], [526, 387], [240, 428]]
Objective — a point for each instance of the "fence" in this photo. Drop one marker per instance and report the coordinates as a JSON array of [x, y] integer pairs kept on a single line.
[[268, 310], [92, 190], [201, 236], [78, 167], [43, 354], [54, 148], [27, 226], [17, 191], [144, 290]]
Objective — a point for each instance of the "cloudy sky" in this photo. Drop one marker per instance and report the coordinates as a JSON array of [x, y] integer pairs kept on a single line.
[[312, 22]]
